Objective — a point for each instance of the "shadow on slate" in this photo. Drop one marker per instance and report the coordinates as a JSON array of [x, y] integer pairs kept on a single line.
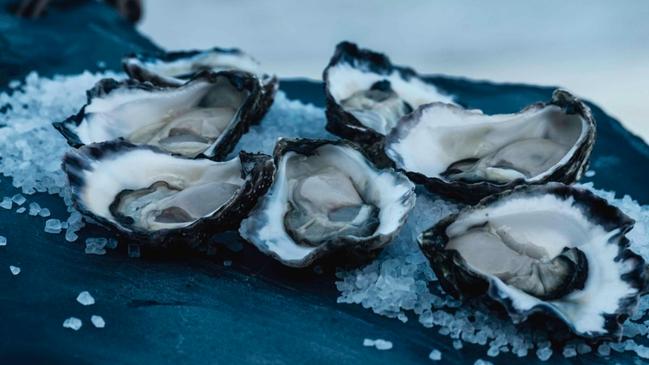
[[187, 308]]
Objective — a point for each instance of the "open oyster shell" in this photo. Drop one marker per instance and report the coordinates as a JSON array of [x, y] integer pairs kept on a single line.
[[175, 68], [468, 155], [327, 197], [552, 249], [155, 198], [204, 116], [366, 95]]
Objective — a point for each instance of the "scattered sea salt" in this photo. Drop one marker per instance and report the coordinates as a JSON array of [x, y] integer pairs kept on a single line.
[[6, 203], [3, 241], [21, 210], [98, 321], [482, 362], [604, 350], [53, 226], [85, 298], [96, 246], [379, 344], [44, 213], [19, 199], [435, 355], [15, 270], [544, 353], [569, 351], [34, 208], [73, 323]]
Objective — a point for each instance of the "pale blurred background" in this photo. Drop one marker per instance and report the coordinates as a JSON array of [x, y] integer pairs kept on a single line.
[[597, 49]]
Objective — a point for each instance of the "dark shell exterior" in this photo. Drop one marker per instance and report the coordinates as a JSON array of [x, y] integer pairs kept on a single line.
[[457, 279], [136, 71], [257, 171], [471, 193], [348, 249], [344, 124], [251, 112]]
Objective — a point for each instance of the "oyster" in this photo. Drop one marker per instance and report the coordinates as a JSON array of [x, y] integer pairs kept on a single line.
[[366, 95], [468, 155], [205, 116], [175, 68], [153, 197], [327, 197], [542, 249]]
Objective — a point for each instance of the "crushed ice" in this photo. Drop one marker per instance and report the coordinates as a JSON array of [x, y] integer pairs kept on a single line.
[[395, 284]]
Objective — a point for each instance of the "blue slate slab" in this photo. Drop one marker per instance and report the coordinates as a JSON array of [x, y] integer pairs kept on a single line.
[[179, 307]]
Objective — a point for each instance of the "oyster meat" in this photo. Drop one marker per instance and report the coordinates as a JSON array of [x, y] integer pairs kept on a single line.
[[468, 155], [542, 249], [366, 95], [327, 197], [156, 198], [175, 68], [205, 116]]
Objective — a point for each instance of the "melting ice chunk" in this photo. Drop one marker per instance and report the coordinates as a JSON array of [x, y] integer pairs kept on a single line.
[[85, 298]]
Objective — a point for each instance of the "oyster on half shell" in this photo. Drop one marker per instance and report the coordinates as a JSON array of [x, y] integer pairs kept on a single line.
[[549, 248], [327, 197], [155, 198], [366, 95], [468, 155], [175, 68], [204, 116]]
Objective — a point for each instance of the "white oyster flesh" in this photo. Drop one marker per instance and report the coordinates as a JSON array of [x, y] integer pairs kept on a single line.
[[378, 108], [533, 250], [187, 120], [150, 191], [324, 203], [453, 144], [379, 100], [319, 200]]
